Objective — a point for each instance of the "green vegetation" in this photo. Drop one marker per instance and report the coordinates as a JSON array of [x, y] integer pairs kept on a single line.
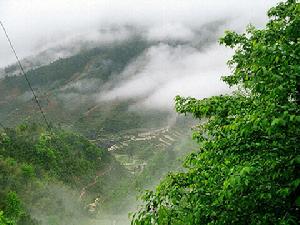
[[247, 168], [53, 85], [4, 220], [62, 70], [48, 171], [63, 155], [52, 177], [38, 169]]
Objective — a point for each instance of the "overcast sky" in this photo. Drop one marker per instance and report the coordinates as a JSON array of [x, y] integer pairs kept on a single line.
[[34, 24], [158, 74]]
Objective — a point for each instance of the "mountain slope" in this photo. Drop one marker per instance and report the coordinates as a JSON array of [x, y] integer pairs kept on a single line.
[[49, 171], [140, 144]]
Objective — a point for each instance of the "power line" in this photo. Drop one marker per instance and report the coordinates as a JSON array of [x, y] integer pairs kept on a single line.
[[25, 75]]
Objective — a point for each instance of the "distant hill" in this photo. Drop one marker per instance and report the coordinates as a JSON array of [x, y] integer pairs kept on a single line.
[[135, 148], [66, 89]]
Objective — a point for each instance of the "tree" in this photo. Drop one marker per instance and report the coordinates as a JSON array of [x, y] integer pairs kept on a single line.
[[4, 220], [13, 208], [247, 168]]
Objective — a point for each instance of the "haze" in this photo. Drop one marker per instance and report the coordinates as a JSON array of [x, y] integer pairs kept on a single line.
[[166, 70]]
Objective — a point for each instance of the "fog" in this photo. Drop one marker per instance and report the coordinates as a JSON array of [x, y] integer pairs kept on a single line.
[[35, 25], [183, 57], [192, 69], [167, 71]]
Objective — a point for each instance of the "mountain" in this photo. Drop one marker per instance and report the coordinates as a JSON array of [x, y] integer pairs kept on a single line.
[[138, 146], [68, 89]]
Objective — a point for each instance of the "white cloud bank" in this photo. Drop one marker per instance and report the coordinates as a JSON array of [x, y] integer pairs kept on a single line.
[[34, 24], [163, 71]]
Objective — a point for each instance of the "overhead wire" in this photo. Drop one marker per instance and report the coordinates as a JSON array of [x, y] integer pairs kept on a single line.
[[2, 126], [26, 77]]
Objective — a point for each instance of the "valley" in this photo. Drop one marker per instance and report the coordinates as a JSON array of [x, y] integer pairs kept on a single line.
[[143, 144], [126, 112]]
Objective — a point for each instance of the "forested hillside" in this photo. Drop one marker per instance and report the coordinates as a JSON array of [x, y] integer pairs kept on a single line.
[[67, 90], [108, 141], [40, 168], [246, 170], [57, 83], [98, 155]]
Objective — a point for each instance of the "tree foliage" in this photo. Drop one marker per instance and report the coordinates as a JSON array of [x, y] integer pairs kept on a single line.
[[32, 160], [63, 155], [247, 168], [4, 220], [13, 208]]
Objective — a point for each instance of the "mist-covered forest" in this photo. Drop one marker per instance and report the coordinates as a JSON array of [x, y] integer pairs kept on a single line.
[[141, 121]]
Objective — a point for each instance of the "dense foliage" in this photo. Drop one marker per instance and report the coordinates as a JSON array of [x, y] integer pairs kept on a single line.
[[64, 155], [247, 168], [39, 169]]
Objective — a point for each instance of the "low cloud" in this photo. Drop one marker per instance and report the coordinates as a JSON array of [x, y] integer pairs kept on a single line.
[[165, 71], [37, 25], [184, 58], [170, 32]]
